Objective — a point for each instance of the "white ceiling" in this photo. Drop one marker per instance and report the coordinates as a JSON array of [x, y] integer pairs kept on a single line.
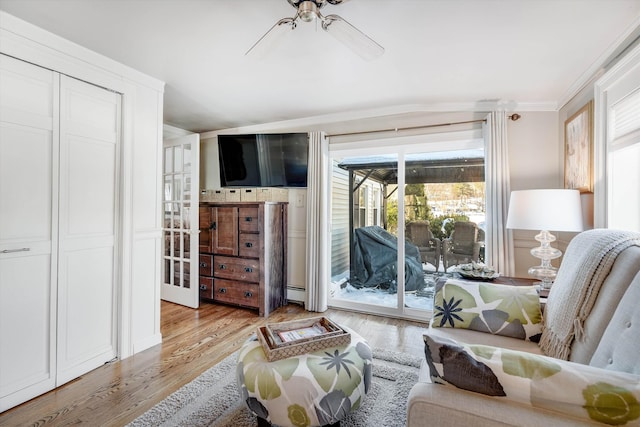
[[533, 53]]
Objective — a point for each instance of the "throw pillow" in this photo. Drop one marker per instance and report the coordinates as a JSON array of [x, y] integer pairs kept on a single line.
[[571, 388], [513, 311]]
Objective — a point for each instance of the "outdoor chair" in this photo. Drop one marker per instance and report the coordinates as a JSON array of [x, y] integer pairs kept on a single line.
[[419, 233], [464, 244]]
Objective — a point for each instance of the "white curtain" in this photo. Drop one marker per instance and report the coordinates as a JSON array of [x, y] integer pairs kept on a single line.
[[317, 224], [498, 240]]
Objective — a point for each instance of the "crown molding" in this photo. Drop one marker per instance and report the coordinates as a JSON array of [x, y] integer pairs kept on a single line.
[[316, 122], [605, 61]]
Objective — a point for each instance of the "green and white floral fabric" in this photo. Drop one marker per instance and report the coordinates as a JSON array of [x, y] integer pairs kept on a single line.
[[573, 389], [308, 390], [512, 311]]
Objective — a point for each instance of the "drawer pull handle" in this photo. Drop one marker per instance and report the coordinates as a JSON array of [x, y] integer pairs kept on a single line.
[[222, 290], [249, 244], [248, 219], [203, 287], [223, 267], [203, 264], [248, 294], [248, 269]]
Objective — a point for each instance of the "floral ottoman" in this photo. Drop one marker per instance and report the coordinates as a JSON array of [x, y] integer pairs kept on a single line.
[[312, 389]]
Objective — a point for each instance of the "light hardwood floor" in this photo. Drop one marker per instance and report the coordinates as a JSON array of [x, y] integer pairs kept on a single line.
[[193, 341]]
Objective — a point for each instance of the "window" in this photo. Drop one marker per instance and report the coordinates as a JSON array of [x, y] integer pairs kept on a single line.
[[617, 153]]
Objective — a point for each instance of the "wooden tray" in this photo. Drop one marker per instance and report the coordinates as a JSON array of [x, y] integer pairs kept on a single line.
[[276, 349]]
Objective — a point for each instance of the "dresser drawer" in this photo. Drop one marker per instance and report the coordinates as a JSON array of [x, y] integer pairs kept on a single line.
[[204, 235], [239, 293], [244, 269], [249, 245], [206, 287], [248, 220], [206, 265]]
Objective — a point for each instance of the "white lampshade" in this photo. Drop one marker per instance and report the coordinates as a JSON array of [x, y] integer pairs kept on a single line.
[[552, 210]]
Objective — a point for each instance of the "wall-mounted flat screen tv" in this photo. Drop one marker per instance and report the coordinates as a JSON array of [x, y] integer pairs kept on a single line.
[[264, 160]]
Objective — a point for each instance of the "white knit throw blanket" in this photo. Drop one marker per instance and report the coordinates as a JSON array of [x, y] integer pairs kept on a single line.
[[586, 264]]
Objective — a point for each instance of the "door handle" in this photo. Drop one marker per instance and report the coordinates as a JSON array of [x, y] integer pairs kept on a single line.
[[10, 251]]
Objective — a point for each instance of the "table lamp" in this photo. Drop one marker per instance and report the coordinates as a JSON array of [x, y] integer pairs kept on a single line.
[[558, 210]]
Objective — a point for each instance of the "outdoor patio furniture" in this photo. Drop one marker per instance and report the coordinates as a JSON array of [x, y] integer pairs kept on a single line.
[[463, 246], [375, 262], [419, 233]]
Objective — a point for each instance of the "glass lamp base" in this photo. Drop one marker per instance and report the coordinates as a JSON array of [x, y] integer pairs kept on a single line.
[[545, 272], [541, 286], [546, 275]]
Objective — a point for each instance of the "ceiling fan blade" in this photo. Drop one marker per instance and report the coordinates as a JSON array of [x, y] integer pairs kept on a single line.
[[353, 38], [270, 38]]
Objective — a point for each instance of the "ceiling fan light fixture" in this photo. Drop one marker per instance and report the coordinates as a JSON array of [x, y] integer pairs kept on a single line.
[[307, 11]]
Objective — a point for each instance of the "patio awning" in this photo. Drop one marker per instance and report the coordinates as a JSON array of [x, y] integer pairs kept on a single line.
[[427, 168]]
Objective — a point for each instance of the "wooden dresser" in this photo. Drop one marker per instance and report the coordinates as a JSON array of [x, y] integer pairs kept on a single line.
[[243, 254]]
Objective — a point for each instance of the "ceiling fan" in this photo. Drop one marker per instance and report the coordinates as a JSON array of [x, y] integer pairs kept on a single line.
[[308, 11]]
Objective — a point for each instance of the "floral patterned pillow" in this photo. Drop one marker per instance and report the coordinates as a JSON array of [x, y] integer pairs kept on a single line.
[[513, 311], [570, 388]]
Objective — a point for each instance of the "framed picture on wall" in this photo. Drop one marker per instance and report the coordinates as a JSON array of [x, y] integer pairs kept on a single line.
[[578, 150]]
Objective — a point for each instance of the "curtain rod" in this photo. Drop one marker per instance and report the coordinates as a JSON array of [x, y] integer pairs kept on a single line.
[[514, 117]]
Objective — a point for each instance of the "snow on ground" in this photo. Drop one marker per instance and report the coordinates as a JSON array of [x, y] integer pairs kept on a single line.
[[422, 299]]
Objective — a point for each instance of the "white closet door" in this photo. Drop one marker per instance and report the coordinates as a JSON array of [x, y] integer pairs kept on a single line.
[[89, 171], [28, 165]]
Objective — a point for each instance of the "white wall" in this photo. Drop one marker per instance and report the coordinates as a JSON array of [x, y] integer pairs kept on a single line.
[[535, 152], [536, 161], [297, 244]]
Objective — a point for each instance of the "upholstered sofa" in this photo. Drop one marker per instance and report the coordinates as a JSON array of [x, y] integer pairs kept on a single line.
[[603, 347]]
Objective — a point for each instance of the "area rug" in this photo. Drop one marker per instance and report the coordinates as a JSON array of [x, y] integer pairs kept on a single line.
[[212, 399]]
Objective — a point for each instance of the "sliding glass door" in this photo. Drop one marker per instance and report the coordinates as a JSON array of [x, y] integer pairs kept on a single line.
[[388, 206]]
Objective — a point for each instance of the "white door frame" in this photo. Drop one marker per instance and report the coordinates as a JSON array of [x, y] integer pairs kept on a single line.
[[176, 198]]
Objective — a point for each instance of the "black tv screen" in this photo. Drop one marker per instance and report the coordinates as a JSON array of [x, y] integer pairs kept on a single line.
[[263, 160]]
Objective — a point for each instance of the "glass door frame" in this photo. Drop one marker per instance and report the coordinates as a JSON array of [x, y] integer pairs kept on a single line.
[[400, 147]]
